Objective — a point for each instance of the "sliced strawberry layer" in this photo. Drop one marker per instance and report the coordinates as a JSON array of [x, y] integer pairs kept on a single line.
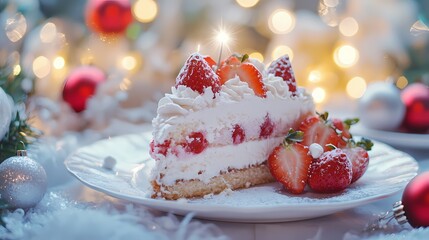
[[289, 165], [195, 143], [281, 67], [267, 128], [198, 75], [246, 71], [210, 61], [238, 134], [159, 148]]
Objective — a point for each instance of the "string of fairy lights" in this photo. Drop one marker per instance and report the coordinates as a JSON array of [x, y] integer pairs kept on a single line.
[[281, 21]]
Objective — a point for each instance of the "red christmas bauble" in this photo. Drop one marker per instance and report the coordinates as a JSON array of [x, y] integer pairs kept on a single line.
[[108, 16], [416, 100], [415, 200], [80, 85]]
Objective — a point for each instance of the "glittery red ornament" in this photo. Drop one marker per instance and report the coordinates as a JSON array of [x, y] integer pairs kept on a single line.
[[81, 85], [415, 200], [108, 16], [416, 100]]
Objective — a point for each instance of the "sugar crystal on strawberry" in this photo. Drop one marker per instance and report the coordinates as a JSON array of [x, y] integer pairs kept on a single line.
[[198, 75], [331, 172], [282, 67]]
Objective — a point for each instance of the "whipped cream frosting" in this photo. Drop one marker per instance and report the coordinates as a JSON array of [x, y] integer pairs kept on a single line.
[[186, 108], [184, 111]]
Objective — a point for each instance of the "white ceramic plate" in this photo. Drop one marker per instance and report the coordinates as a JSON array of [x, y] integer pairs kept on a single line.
[[388, 172], [399, 139]]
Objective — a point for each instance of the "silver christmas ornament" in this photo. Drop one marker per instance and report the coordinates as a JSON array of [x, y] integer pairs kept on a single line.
[[381, 107], [23, 181], [5, 113]]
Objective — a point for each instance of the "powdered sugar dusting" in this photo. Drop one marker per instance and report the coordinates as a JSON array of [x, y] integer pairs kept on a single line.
[[282, 67], [197, 74], [388, 172]]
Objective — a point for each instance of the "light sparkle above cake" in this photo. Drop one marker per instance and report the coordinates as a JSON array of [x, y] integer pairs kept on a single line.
[[216, 129]]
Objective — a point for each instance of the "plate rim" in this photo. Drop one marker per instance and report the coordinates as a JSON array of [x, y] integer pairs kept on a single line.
[[208, 207]]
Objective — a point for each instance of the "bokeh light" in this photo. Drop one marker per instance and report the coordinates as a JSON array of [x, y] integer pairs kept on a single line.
[[318, 94], [349, 27], [58, 62], [247, 3], [16, 27], [129, 62], [280, 51], [125, 84], [145, 10], [48, 33], [331, 3], [41, 67], [356, 87], [222, 37], [257, 55], [16, 69], [402, 82], [281, 21], [346, 56], [315, 76]]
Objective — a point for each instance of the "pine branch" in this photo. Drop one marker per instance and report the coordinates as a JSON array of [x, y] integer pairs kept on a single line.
[[19, 129]]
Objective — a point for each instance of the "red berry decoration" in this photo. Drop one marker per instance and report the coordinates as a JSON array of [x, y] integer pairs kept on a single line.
[[159, 148], [330, 173], [289, 163], [414, 207], [238, 134], [359, 159], [108, 16], [416, 100], [358, 156], [281, 67], [80, 85], [196, 143], [319, 129], [198, 75]]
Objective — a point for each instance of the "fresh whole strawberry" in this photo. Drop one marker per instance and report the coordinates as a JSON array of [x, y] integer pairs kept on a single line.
[[358, 156], [198, 75], [343, 127], [331, 172], [282, 68], [289, 163], [318, 129], [246, 71]]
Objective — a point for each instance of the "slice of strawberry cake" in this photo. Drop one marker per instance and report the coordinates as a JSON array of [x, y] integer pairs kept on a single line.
[[217, 127]]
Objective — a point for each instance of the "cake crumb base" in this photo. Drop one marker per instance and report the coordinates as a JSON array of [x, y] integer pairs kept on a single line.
[[235, 179]]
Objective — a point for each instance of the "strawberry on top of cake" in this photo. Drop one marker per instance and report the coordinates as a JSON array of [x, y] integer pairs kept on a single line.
[[217, 127]]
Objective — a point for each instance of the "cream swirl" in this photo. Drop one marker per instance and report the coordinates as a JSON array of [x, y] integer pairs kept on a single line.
[[234, 89], [277, 87], [183, 99]]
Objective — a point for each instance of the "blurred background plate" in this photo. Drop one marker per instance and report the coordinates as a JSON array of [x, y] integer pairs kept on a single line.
[[397, 139]]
